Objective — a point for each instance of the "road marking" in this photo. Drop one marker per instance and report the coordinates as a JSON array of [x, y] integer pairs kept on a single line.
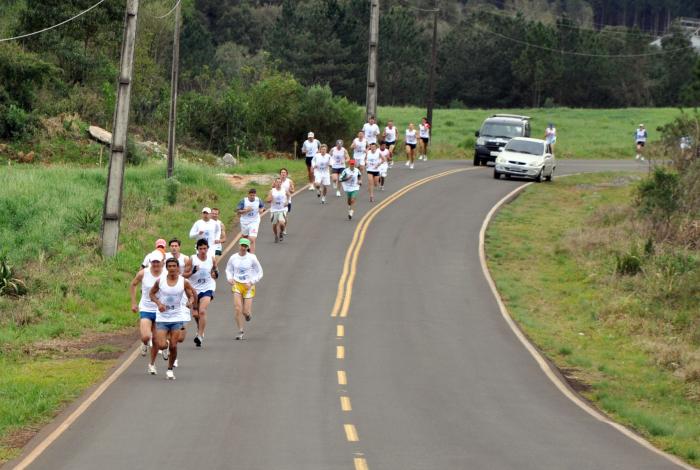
[[360, 464], [342, 378], [340, 331], [345, 404], [340, 352], [351, 433]]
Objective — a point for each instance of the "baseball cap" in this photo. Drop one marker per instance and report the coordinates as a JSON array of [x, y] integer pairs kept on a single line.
[[156, 255], [161, 242], [207, 210], [641, 125], [311, 134], [351, 161], [244, 242]]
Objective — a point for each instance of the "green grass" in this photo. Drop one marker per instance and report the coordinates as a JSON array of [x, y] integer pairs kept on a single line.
[[582, 133], [616, 333]]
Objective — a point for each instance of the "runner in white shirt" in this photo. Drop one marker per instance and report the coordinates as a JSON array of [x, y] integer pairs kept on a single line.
[[352, 180], [322, 177], [411, 142], [288, 186], [203, 279], [359, 150], [206, 228], [185, 264], [160, 246], [219, 242], [146, 308], [640, 137], [391, 134], [167, 293], [374, 161], [339, 158], [243, 271], [277, 198], [248, 210], [384, 167], [371, 130], [309, 149], [424, 131]]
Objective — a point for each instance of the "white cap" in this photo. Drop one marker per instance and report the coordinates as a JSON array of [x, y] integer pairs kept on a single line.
[[207, 210], [311, 134], [156, 255], [641, 125]]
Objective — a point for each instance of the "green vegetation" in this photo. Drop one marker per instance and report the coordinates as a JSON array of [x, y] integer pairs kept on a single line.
[[629, 336], [582, 133]]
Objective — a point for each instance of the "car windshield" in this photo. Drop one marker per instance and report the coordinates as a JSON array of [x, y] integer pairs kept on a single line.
[[501, 129], [525, 146]]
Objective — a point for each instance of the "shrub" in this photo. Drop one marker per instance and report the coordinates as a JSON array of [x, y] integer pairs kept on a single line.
[[134, 155], [628, 264], [10, 285], [658, 197], [16, 123], [87, 219], [172, 186]]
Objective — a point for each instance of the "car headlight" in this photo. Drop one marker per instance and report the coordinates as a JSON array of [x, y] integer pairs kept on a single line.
[[536, 163], [500, 159], [480, 141]]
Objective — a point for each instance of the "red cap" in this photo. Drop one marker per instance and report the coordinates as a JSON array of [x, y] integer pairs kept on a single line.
[[160, 242], [351, 161]]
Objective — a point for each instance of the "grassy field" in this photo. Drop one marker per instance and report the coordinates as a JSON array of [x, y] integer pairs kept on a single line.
[[55, 341], [582, 133], [629, 341]]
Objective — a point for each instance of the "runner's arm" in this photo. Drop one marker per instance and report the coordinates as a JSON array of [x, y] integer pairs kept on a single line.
[[230, 267], [188, 267], [194, 231], [240, 208], [214, 270], [191, 295], [132, 290], [154, 297], [257, 267], [222, 236]]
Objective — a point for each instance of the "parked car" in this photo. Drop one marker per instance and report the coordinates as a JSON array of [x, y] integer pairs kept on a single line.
[[525, 158], [495, 133]]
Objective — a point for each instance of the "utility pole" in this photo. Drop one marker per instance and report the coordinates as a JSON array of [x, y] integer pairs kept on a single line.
[[112, 212], [372, 62], [433, 65], [172, 122]]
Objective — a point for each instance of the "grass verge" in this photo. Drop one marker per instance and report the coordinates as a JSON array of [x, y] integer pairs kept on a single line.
[[627, 341]]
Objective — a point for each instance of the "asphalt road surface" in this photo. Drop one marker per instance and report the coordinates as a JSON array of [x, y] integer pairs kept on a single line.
[[433, 377]]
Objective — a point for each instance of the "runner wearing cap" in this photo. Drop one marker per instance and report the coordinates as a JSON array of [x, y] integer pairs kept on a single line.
[[359, 150], [309, 149], [384, 167], [145, 307], [424, 132], [322, 179], [288, 186], [277, 198], [243, 271], [206, 228], [248, 210], [167, 293], [203, 279], [391, 134], [371, 130], [640, 137], [339, 158], [160, 246], [218, 243], [352, 180]]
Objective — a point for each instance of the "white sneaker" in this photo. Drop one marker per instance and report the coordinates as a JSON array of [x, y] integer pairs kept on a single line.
[[284, 232], [311, 187], [144, 349], [166, 351], [175, 363], [150, 342], [170, 375], [337, 194], [151, 369], [241, 334], [425, 158], [408, 162], [420, 157], [642, 158], [391, 164], [411, 167], [323, 200], [636, 157]]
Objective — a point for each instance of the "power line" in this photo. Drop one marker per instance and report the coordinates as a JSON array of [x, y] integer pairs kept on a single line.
[[170, 12], [54, 26], [577, 53]]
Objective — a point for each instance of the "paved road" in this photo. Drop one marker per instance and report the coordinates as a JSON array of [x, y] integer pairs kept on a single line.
[[435, 378]]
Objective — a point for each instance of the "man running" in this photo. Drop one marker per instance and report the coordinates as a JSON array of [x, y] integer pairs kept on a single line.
[[411, 142], [309, 149], [640, 136], [203, 279], [339, 158], [219, 243], [424, 131], [391, 134], [243, 271], [371, 130], [359, 150], [277, 198], [146, 307], [322, 179], [167, 293], [288, 186], [160, 246], [384, 167], [206, 228], [374, 161], [352, 180], [185, 264], [248, 210]]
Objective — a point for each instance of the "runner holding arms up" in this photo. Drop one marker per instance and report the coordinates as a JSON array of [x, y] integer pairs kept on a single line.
[[277, 198], [339, 158], [411, 142], [352, 180], [309, 149], [243, 271], [322, 179], [248, 210]]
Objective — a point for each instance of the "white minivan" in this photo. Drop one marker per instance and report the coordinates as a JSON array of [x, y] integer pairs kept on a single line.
[[526, 158]]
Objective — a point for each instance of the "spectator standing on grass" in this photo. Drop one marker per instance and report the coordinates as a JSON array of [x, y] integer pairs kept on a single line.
[[640, 137], [550, 137]]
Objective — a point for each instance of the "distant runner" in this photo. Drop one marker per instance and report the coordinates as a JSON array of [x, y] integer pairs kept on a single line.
[[288, 186], [203, 279], [391, 134], [185, 264], [218, 243], [352, 180], [322, 178], [309, 149], [243, 271], [339, 158], [160, 246], [411, 142], [424, 131], [640, 137], [206, 228], [146, 307], [384, 167], [371, 130], [248, 210], [277, 198], [374, 162], [359, 150]]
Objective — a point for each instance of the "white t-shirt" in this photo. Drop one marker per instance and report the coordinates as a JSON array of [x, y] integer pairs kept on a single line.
[[171, 297], [371, 132], [254, 215], [310, 148], [641, 135], [244, 269], [359, 147], [201, 280], [550, 135], [211, 229], [338, 157], [321, 162], [390, 134], [424, 131], [286, 186], [411, 136], [374, 159], [146, 304], [352, 183], [279, 200], [180, 261]]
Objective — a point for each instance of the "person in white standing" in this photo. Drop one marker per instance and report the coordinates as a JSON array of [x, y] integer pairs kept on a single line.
[[248, 210], [359, 150], [374, 161], [322, 178], [203, 279], [371, 130], [206, 228], [550, 137], [146, 307], [167, 293], [339, 158], [288, 186], [243, 271], [640, 136], [411, 142], [424, 134], [277, 198], [219, 242], [391, 134], [309, 148], [352, 180]]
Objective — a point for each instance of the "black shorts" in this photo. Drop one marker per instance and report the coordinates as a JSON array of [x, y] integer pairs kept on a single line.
[[640, 143], [308, 161], [289, 207], [425, 139], [373, 173], [337, 171], [217, 252], [413, 146], [389, 144]]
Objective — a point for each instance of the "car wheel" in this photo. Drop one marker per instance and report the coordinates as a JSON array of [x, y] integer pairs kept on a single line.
[[477, 161], [551, 175], [538, 178], [496, 175]]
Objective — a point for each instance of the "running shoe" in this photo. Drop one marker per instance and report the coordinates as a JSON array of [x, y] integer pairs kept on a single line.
[[150, 342], [166, 351], [175, 363], [420, 157], [144, 349], [311, 187], [318, 193], [411, 167], [408, 162], [241, 334], [284, 232], [277, 239], [247, 317], [323, 200], [170, 375], [151, 369], [381, 188], [281, 236], [391, 164], [198, 341], [337, 194]]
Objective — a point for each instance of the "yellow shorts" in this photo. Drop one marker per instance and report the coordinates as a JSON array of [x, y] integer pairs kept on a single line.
[[243, 290]]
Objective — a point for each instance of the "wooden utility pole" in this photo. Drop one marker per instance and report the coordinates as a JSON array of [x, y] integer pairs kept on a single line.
[[433, 65], [112, 211], [372, 62], [172, 122]]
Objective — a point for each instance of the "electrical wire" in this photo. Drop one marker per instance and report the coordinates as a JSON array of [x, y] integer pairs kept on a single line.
[[22, 36], [170, 12]]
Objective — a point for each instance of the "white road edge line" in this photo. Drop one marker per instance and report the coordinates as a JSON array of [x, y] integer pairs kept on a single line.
[[540, 359]]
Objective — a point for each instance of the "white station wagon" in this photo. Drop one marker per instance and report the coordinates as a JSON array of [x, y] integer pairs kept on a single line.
[[526, 158]]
